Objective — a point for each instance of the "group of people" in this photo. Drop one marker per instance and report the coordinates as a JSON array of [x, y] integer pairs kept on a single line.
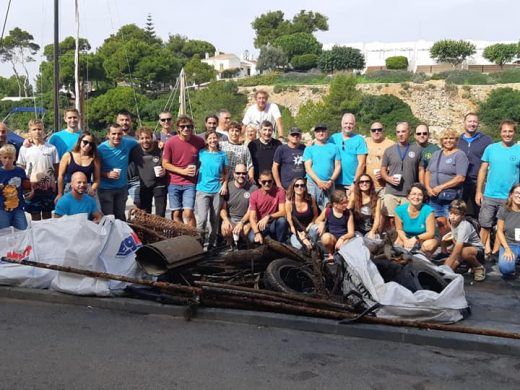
[[246, 181]]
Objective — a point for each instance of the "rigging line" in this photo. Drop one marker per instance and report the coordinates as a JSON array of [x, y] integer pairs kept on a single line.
[[134, 94], [5, 20], [169, 102], [189, 101]]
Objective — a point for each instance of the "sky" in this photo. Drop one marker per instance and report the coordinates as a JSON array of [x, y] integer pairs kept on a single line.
[[227, 24]]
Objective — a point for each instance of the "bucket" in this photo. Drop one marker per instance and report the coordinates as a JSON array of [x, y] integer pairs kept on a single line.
[[159, 257]]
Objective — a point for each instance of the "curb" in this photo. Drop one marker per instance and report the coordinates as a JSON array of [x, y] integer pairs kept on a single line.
[[435, 338]]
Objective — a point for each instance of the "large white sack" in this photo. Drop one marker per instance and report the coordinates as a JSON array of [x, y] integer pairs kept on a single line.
[[81, 247], [16, 244], [396, 300]]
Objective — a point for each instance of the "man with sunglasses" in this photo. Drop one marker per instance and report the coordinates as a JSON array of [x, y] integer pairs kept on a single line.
[[323, 166], [288, 160], [181, 159], [376, 145], [166, 122], [352, 152], [422, 137], [267, 211], [234, 211]]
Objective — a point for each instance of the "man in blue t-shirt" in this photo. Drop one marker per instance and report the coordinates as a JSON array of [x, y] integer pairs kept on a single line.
[[323, 166], [288, 160], [115, 154], [77, 201], [499, 171], [352, 150], [65, 139]]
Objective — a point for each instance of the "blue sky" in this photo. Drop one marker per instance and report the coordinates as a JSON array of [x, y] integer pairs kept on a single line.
[[227, 24]]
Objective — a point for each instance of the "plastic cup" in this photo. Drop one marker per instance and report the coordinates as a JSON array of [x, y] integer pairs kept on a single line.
[[377, 171], [158, 170], [118, 171], [194, 167], [398, 176]]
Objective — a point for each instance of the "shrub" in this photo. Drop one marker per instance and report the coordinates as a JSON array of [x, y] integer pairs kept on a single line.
[[463, 77], [230, 73], [304, 62], [502, 103], [397, 63], [389, 76], [507, 76], [264, 79]]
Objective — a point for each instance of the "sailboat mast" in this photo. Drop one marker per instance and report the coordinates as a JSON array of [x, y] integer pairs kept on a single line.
[[182, 93], [56, 66], [77, 91]]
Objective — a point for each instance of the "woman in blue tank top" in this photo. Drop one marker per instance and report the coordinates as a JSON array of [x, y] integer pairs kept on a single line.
[[336, 223], [84, 158], [415, 222]]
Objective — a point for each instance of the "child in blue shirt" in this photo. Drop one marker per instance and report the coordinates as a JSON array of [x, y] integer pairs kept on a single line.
[[12, 180]]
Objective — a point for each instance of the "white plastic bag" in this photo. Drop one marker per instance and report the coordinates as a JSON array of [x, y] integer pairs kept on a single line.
[[396, 301]]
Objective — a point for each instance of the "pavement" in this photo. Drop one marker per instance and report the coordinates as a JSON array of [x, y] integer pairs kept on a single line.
[[494, 305]]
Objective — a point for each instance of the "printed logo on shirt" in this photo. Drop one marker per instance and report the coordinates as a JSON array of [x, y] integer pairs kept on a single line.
[[129, 245], [449, 160], [411, 154], [246, 195], [298, 159], [513, 158]]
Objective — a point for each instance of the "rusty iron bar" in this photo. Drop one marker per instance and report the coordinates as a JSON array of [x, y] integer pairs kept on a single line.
[[338, 315], [106, 275], [276, 294]]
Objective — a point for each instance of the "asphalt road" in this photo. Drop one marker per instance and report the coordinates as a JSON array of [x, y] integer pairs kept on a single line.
[[53, 346]]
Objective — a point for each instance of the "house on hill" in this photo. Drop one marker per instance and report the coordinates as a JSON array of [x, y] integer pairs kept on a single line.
[[228, 61]]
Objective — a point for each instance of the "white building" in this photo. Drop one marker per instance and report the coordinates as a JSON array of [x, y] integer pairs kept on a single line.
[[223, 61], [418, 54]]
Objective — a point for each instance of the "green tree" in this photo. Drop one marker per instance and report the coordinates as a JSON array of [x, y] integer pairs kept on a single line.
[[195, 47], [304, 62], [311, 113], [9, 87], [218, 95], [149, 27], [397, 63], [271, 58], [502, 103], [343, 96], [501, 53], [17, 48], [272, 25], [451, 51], [101, 110], [297, 44], [198, 72], [387, 109], [341, 58]]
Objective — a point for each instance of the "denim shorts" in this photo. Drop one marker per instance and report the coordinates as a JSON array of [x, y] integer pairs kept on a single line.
[[441, 208], [15, 218], [181, 197]]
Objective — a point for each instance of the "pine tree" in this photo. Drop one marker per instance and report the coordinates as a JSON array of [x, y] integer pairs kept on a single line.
[[149, 27]]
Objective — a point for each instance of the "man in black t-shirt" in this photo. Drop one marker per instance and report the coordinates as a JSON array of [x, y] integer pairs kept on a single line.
[[262, 149], [288, 160]]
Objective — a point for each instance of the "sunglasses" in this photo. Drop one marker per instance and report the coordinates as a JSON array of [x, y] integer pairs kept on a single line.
[[302, 185], [377, 130], [421, 133], [364, 182], [266, 182], [85, 142], [190, 127], [295, 134], [241, 173], [165, 119]]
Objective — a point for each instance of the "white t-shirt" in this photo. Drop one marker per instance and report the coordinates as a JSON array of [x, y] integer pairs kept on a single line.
[[253, 116], [39, 161]]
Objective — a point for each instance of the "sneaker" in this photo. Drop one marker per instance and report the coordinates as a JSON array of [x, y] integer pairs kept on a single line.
[[493, 258], [479, 273]]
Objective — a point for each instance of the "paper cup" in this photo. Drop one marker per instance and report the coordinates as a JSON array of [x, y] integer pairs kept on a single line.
[[193, 166], [118, 171], [377, 171], [158, 170], [398, 176]]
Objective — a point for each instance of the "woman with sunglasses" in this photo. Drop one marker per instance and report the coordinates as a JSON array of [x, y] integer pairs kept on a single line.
[[301, 205], [83, 158], [211, 183], [366, 206]]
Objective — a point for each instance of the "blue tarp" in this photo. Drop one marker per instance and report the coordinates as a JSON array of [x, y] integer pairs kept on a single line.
[[39, 110]]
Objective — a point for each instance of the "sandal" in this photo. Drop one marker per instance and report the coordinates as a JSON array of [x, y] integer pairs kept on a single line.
[[479, 273]]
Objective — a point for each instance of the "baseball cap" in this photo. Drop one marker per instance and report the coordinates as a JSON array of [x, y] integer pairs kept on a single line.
[[320, 126], [295, 130]]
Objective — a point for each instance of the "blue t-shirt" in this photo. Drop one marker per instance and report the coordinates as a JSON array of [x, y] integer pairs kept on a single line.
[[291, 163], [64, 141], [323, 158], [211, 167], [503, 171], [115, 157], [69, 205], [348, 149], [11, 195], [413, 226]]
